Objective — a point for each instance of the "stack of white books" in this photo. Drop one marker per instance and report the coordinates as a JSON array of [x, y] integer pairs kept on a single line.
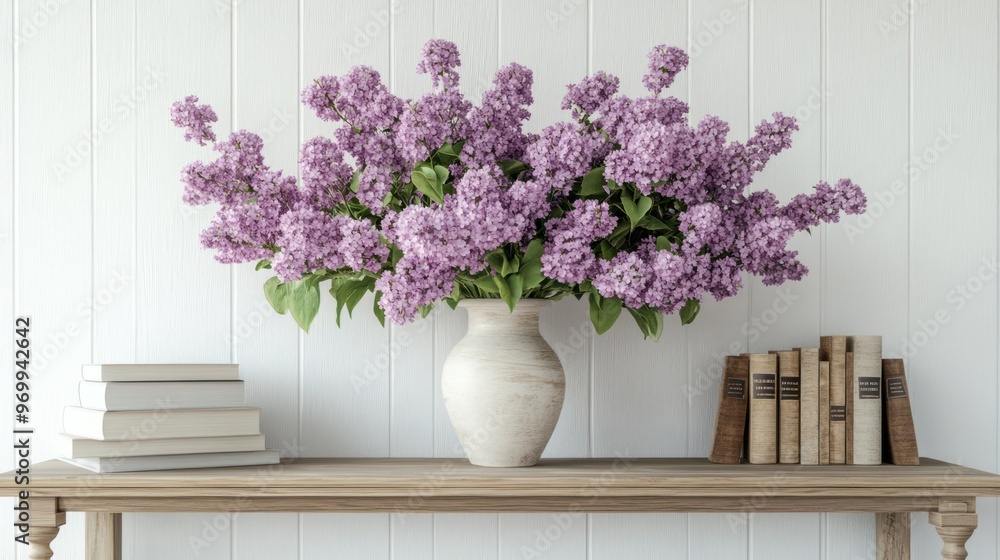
[[144, 417]]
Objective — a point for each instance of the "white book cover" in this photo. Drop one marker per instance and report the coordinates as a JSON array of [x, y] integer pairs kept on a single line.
[[173, 462], [74, 447], [157, 395], [160, 372], [157, 424]]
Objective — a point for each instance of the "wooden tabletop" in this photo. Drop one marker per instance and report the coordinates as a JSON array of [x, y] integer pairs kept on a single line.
[[565, 477]]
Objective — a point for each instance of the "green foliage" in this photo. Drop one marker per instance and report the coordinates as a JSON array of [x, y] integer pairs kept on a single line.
[[303, 302], [604, 311]]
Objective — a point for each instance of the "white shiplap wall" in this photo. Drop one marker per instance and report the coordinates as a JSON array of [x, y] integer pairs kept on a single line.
[[900, 95]]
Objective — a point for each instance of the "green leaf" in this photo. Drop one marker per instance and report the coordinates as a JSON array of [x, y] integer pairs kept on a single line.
[[607, 250], [636, 211], [662, 243], [425, 186], [505, 291], [441, 173], [650, 321], [498, 260], [653, 224], [425, 310], [593, 183], [277, 294], [486, 284], [516, 284], [452, 302], [379, 312], [351, 292], [510, 266], [356, 181], [263, 263], [604, 311], [303, 302], [512, 166], [447, 154], [690, 311], [533, 252]]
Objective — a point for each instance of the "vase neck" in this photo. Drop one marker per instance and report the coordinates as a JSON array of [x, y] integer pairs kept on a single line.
[[493, 314]]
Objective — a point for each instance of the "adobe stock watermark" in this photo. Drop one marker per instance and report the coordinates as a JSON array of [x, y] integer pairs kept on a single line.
[[122, 107], [708, 378], [213, 529], [708, 31], [377, 366], [364, 36], [50, 348], [561, 522], [879, 202], [32, 24], [563, 11], [902, 12], [959, 297]]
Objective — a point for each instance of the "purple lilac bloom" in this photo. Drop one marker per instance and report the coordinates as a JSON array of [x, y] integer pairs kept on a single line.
[[414, 283], [568, 256], [432, 121], [495, 127], [589, 94], [440, 58], [563, 152], [325, 176], [664, 65], [310, 240], [194, 119], [321, 97]]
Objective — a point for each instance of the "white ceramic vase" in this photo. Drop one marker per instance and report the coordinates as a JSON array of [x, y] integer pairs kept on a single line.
[[503, 384]]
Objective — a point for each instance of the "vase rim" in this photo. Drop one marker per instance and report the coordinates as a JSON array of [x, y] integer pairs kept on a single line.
[[533, 303]]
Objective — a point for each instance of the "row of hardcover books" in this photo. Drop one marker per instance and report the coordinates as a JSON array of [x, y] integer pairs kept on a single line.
[[140, 417], [840, 403]]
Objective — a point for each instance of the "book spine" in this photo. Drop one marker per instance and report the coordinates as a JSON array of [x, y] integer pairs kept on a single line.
[[834, 350], [788, 406], [849, 421], [809, 406], [763, 432], [824, 412], [900, 441], [731, 420], [867, 389]]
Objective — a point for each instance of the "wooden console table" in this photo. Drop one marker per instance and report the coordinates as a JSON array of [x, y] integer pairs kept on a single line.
[[947, 491]]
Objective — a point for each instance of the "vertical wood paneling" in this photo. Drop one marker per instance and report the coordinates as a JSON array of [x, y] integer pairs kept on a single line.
[[867, 79], [53, 214], [344, 408], [786, 76], [183, 295], [264, 343], [953, 245], [638, 536], [718, 75], [117, 90]]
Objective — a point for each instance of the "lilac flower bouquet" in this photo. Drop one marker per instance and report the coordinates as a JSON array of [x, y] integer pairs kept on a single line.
[[438, 198]]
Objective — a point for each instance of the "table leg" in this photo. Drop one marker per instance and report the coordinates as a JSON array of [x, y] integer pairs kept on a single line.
[[39, 539], [104, 536], [955, 522], [892, 532]]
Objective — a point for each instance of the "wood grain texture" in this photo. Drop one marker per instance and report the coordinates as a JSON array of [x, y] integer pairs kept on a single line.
[[899, 445], [730, 424], [824, 412], [893, 536], [104, 536]]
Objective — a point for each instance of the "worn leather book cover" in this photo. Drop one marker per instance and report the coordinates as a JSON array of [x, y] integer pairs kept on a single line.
[[824, 412], [867, 389], [899, 445], [834, 350], [762, 430], [730, 423], [788, 406], [809, 406]]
